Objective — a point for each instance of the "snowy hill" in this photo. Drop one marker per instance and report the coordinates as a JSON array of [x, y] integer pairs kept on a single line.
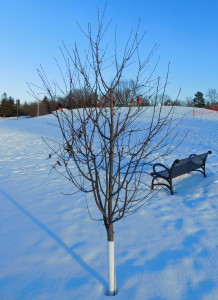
[[51, 250]]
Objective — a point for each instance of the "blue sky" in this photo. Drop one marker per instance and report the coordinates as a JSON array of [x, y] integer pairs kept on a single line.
[[186, 31]]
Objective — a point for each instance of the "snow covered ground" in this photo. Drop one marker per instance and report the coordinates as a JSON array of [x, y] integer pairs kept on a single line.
[[51, 250]]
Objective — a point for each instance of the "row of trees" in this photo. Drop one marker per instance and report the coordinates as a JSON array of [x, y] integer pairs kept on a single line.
[[9, 107], [199, 100]]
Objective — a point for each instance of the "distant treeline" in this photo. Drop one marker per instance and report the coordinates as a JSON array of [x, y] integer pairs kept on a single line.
[[9, 107]]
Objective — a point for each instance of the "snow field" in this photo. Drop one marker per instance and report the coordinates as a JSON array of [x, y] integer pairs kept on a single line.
[[51, 249]]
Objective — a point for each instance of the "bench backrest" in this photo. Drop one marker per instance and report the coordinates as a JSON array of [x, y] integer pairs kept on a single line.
[[183, 166]]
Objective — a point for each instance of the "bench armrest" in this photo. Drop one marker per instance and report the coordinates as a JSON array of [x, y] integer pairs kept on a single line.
[[159, 165]]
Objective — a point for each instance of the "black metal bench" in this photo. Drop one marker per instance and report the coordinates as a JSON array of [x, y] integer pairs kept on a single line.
[[179, 167]]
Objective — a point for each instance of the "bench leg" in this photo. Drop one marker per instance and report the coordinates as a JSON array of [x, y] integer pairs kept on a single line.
[[204, 171], [171, 186], [152, 184], [171, 190]]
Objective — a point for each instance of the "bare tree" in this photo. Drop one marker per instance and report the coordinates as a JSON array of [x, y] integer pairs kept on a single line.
[[212, 96], [189, 101], [110, 149], [124, 93]]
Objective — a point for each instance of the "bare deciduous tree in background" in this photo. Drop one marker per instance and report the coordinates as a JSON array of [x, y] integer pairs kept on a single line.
[[108, 146], [212, 96]]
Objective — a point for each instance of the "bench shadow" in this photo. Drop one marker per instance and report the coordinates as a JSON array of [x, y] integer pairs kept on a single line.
[[185, 185], [57, 239]]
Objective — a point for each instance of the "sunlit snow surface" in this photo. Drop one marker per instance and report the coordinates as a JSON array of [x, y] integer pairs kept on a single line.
[[50, 249]]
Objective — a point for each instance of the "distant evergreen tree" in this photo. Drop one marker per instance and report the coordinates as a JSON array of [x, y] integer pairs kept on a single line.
[[24, 109], [7, 107], [47, 105], [199, 100], [18, 107]]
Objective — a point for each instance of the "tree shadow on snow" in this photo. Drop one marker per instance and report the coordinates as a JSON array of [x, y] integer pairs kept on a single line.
[[69, 250], [130, 268]]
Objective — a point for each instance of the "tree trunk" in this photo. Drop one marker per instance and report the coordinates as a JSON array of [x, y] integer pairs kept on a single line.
[[111, 263], [110, 230]]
